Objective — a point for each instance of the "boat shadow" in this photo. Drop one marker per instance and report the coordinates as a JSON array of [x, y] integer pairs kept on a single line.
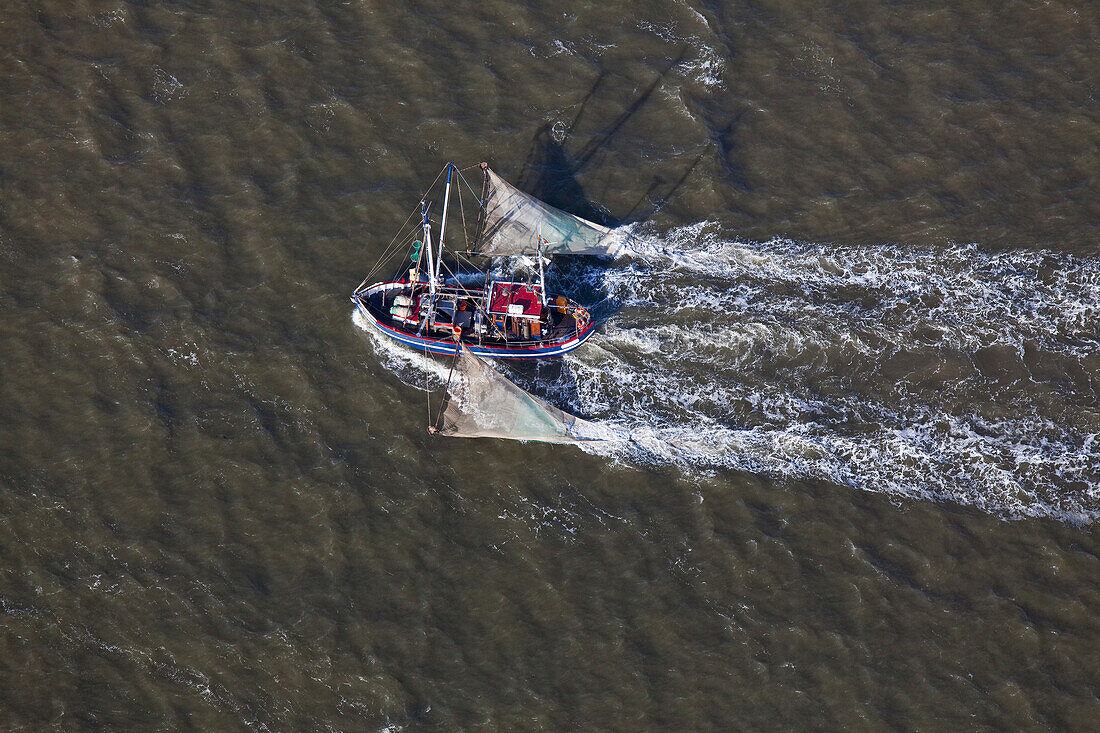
[[551, 173]]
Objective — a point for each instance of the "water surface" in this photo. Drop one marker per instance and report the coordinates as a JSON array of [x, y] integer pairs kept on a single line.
[[862, 302]]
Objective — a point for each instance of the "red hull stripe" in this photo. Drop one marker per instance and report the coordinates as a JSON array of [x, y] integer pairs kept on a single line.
[[445, 346]]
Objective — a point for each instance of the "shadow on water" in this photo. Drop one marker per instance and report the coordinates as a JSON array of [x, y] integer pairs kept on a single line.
[[550, 173]]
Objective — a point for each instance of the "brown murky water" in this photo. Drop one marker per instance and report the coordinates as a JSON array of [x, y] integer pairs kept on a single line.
[[863, 292]]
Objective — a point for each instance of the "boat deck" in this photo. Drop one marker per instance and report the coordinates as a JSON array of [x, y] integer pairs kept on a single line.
[[536, 326]]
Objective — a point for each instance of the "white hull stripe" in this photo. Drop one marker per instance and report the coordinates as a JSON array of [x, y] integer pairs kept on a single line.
[[442, 347]]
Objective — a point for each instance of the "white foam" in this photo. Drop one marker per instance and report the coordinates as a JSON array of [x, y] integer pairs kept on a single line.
[[408, 364], [706, 66], [721, 338], [968, 297], [790, 360]]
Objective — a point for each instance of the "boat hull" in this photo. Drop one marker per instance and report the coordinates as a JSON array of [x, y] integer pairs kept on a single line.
[[438, 345]]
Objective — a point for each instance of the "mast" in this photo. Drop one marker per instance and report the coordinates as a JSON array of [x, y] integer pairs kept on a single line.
[[428, 245], [443, 220]]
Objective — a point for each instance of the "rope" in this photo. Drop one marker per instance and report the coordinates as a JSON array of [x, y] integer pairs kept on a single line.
[[470, 262], [458, 350], [396, 237], [426, 390], [386, 253], [485, 312], [488, 319], [472, 191], [389, 252], [462, 212]]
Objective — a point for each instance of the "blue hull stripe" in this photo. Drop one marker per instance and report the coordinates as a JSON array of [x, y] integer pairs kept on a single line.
[[443, 347]]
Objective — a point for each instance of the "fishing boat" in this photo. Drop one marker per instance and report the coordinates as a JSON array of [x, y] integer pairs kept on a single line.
[[440, 300]]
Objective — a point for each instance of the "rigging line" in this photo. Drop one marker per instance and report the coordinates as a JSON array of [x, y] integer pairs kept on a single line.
[[471, 264], [484, 310], [480, 207], [402, 234], [423, 197], [468, 183], [429, 188], [389, 251], [388, 254], [459, 282], [480, 204], [439, 418], [395, 238], [472, 191], [427, 368], [462, 211], [382, 262], [483, 210], [404, 231]]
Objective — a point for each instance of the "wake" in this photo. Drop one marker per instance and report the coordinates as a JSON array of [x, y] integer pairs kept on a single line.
[[940, 374]]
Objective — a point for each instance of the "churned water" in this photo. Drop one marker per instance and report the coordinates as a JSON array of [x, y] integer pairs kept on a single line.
[[907, 371], [854, 336]]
